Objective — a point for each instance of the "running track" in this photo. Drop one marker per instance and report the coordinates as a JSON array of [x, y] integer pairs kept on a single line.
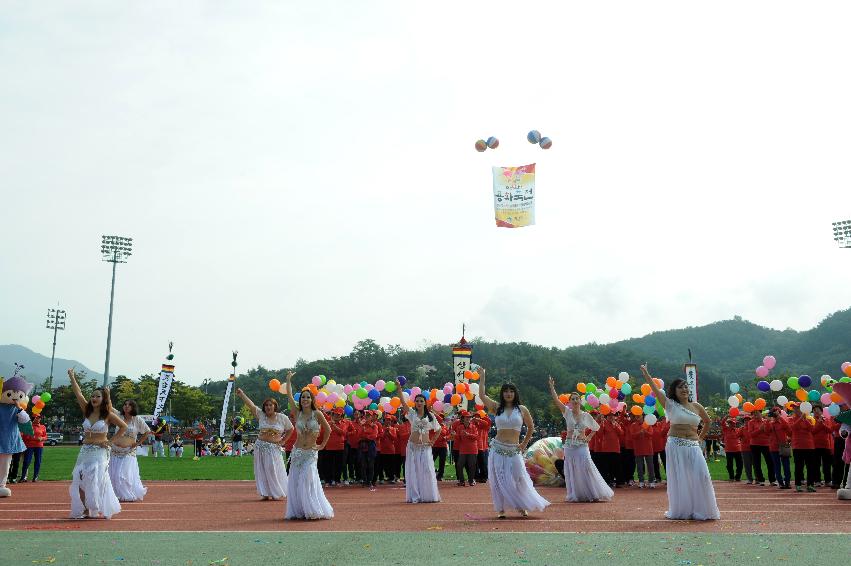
[[235, 506]]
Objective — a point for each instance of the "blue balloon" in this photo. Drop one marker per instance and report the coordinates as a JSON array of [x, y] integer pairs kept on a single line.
[[648, 409], [374, 394], [763, 386], [349, 410], [734, 388], [805, 381], [402, 379], [621, 396], [833, 409], [297, 396], [447, 398], [650, 400], [534, 136]]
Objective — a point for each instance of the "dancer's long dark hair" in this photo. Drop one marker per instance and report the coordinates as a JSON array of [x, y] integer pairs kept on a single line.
[[671, 393], [505, 387], [105, 404], [426, 412]]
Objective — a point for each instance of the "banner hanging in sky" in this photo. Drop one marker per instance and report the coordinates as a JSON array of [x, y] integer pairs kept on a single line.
[[166, 377], [514, 196]]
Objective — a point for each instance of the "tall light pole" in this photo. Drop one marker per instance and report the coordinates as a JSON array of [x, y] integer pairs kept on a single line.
[[55, 322], [115, 249], [842, 233]]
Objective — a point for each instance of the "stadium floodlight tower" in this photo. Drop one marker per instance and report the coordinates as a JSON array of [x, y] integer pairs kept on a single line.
[[55, 322], [115, 249], [842, 233]]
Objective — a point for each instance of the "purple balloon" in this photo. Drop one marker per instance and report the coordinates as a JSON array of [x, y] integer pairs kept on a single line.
[[402, 380], [805, 381], [763, 386]]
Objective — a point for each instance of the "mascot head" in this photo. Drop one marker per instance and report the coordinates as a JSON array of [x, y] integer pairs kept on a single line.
[[16, 390]]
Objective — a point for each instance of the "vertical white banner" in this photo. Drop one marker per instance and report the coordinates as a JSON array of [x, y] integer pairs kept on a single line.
[[691, 380], [461, 361], [224, 419], [166, 378]]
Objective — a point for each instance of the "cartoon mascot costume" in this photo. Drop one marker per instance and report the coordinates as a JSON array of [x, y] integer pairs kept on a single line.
[[13, 420]]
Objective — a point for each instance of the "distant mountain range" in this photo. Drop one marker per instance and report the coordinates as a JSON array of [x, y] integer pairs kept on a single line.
[[37, 367]]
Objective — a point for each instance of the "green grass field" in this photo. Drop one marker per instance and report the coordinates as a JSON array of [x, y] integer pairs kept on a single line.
[[58, 462]]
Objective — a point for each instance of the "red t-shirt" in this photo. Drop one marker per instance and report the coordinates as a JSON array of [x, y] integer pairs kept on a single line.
[[337, 437], [642, 439], [759, 430], [608, 437], [628, 440], [802, 433], [745, 438], [660, 435], [467, 439], [387, 442], [369, 431], [403, 432], [779, 434], [730, 436], [483, 426], [442, 440], [38, 437], [822, 436]]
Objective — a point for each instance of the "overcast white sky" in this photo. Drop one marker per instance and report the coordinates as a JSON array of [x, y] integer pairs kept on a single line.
[[301, 175]]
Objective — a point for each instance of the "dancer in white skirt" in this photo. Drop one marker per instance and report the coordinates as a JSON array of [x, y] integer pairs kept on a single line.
[[582, 479], [270, 473], [508, 479], [123, 467], [91, 490], [305, 498], [690, 491], [420, 478]]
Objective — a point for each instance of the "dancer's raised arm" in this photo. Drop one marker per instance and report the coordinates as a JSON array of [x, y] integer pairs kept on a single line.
[[660, 395], [561, 406], [293, 405], [75, 387], [489, 403], [248, 402]]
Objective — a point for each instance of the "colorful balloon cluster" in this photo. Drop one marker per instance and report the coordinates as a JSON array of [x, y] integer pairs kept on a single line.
[[541, 461], [39, 401], [491, 142], [613, 396], [535, 137], [381, 395]]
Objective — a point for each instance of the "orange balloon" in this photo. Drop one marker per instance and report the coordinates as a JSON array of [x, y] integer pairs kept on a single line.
[[564, 398], [461, 388], [469, 396], [636, 398], [581, 387], [395, 402], [636, 410], [313, 389], [739, 397], [835, 397], [40, 404], [605, 409], [410, 403], [748, 407], [759, 404], [468, 374], [659, 383], [646, 389], [848, 371], [611, 381], [475, 376], [328, 405], [455, 400], [482, 413], [801, 394], [274, 384]]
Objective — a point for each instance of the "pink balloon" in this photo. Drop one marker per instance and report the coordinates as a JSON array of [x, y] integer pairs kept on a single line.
[[36, 399], [369, 387], [621, 407], [320, 397], [347, 389], [317, 381], [825, 399], [593, 401], [761, 371], [380, 384], [415, 391], [613, 402], [355, 386], [438, 406], [447, 389], [388, 408], [769, 362], [332, 397]]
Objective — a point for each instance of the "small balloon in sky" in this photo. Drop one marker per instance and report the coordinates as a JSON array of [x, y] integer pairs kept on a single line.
[[546, 143], [481, 145], [492, 142], [534, 136]]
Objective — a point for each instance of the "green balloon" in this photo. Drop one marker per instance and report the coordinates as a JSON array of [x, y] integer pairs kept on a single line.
[[814, 395], [373, 406], [792, 382], [323, 379], [390, 387], [845, 380], [361, 393], [45, 397], [648, 409], [590, 388]]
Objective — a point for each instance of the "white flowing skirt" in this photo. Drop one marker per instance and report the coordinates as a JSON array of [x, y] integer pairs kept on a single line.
[[305, 498], [124, 475], [583, 480], [509, 481], [269, 470], [420, 479], [91, 476], [690, 491]]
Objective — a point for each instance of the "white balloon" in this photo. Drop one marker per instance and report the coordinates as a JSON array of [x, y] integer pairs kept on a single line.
[[623, 377], [474, 388], [650, 419], [733, 401], [776, 385], [806, 407], [604, 399], [782, 400]]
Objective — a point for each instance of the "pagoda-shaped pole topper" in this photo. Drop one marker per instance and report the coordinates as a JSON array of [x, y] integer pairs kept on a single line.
[[462, 358]]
